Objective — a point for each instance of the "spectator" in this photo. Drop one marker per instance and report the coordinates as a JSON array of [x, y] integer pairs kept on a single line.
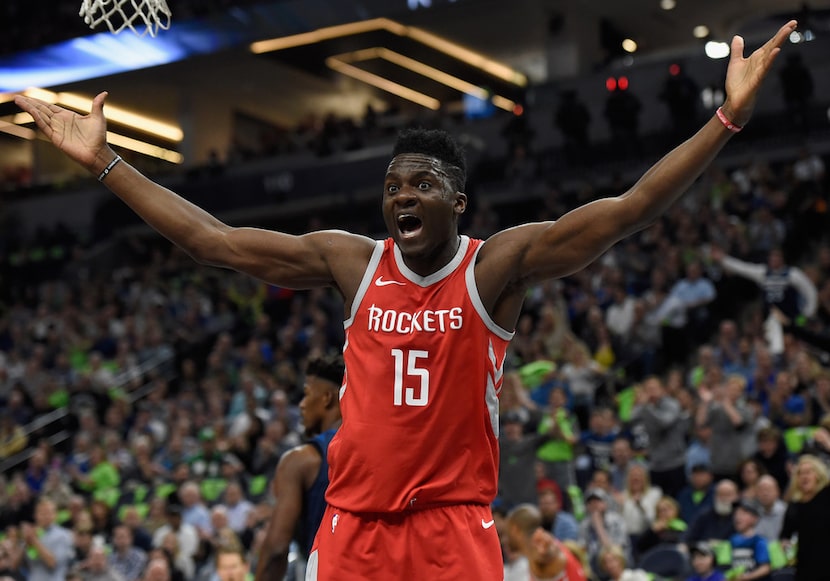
[[231, 564], [806, 518], [237, 506], [797, 88], [517, 452], [602, 527], [557, 435], [183, 537], [612, 561], [716, 522], [96, 568], [722, 408], [749, 474], [573, 119], [666, 529], [698, 495], [703, 564], [622, 458], [681, 95], [785, 287], [561, 523], [773, 456], [772, 508], [48, 545], [640, 500], [126, 559], [659, 413], [622, 112], [750, 559]]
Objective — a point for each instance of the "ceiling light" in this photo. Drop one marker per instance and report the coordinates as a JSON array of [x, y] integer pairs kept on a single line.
[[701, 31], [115, 114], [425, 70], [384, 84], [17, 130], [13, 123], [144, 147], [667, 4], [716, 50], [629, 45], [438, 43]]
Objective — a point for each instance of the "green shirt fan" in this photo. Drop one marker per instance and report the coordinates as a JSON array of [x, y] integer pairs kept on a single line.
[[133, 14]]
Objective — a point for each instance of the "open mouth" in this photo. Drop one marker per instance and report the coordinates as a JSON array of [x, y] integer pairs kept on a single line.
[[409, 225]]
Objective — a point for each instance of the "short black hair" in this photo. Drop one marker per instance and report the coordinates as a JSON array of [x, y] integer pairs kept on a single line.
[[438, 144], [328, 367]]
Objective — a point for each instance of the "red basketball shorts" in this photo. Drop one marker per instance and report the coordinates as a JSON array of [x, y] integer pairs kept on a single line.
[[448, 543]]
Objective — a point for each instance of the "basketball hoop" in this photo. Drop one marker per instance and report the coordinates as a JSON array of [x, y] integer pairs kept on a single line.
[[132, 14]]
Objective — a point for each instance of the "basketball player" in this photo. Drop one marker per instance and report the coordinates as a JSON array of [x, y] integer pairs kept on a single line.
[[547, 558], [414, 466], [302, 474]]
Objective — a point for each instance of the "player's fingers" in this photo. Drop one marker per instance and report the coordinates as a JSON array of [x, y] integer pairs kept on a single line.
[[98, 103]]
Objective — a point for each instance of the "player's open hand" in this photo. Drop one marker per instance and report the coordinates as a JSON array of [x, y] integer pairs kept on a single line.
[[745, 75], [81, 137]]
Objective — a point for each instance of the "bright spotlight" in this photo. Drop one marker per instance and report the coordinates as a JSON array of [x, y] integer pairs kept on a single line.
[[629, 45], [716, 50], [700, 31]]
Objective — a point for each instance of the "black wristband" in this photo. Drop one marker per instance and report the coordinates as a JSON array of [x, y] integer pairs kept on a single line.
[[109, 167]]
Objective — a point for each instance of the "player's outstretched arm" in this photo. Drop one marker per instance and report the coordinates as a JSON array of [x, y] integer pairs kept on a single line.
[[290, 261], [559, 248]]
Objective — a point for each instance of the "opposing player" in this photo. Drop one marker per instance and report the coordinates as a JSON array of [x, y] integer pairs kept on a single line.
[[302, 474], [414, 466]]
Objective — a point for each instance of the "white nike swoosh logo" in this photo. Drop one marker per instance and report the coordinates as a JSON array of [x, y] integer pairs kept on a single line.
[[487, 523], [381, 282]]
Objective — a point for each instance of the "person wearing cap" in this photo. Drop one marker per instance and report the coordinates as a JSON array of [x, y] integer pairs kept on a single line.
[[698, 495], [747, 553], [703, 564], [602, 526]]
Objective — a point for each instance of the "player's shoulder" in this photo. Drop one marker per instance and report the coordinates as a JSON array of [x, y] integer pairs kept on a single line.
[[298, 458]]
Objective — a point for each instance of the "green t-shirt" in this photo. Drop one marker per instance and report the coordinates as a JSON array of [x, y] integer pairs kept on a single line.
[[556, 450]]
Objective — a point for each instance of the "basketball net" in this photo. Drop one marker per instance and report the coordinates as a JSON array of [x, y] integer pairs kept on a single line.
[[132, 14]]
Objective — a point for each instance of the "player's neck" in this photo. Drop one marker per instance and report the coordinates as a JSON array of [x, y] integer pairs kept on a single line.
[[330, 424], [425, 265]]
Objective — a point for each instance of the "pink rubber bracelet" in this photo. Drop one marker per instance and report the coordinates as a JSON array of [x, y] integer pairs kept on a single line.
[[726, 122]]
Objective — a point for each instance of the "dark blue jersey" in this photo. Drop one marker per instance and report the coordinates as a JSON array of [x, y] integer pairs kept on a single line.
[[314, 500]]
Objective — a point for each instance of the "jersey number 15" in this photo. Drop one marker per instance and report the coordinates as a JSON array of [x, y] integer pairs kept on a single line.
[[407, 395]]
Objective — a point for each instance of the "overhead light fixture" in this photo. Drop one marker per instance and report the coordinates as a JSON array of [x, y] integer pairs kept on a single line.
[[470, 57], [716, 50], [384, 84], [629, 45], [115, 114], [17, 130], [700, 31], [668, 4], [13, 125], [423, 69]]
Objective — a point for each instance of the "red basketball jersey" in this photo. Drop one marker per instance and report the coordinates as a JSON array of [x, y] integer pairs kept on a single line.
[[424, 366]]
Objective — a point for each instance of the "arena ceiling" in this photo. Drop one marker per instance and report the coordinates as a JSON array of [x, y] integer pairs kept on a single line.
[[280, 86]]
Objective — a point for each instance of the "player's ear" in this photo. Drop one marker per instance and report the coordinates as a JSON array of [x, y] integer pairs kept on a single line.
[[330, 398], [460, 203]]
